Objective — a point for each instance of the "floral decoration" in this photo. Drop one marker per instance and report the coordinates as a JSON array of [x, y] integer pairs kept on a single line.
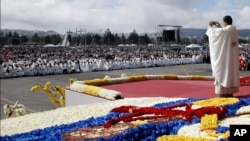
[[216, 101], [137, 78], [245, 80], [160, 122], [209, 122], [96, 91], [96, 82], [93, 90], [171, 77], [180, 138]]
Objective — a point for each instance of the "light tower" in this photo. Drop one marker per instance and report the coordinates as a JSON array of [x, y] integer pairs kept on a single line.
[[67, 43]]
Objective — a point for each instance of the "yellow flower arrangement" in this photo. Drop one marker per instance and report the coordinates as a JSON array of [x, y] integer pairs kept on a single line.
[[180, 138], [198, 77], [96, 82], [212, 133], [216, 102], [136, 78], [92, 90], [171, 77], [209, 122], [117, 80]]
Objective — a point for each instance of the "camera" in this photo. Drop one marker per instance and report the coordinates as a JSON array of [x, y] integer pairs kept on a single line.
[[213, 23]]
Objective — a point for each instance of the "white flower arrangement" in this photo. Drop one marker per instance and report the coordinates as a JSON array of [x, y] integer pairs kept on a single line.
[[155, 77], [96, 91]]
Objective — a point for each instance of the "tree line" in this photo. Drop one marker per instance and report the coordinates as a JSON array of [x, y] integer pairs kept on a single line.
[[107, 38], [17, 39]]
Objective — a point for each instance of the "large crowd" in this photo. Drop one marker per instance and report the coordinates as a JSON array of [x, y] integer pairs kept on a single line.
[[37, 61]]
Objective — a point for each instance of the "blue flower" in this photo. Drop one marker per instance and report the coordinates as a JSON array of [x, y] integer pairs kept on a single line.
[[222, 129], [174, 103]]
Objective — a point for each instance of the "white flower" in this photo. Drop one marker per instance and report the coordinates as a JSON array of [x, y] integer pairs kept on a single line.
[[107, 77], [155, 77], [124, 75], [78, 87], [109, 94]]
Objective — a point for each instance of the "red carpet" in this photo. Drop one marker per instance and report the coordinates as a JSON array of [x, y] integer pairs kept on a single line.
[[172, 88]]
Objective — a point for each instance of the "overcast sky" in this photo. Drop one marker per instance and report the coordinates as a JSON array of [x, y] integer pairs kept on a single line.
[[119, 15]]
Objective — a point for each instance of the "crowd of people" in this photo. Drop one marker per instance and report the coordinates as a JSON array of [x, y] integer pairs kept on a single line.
[[28, 61]]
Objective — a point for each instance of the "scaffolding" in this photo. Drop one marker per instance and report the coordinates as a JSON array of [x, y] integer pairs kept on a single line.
[[159, 37]]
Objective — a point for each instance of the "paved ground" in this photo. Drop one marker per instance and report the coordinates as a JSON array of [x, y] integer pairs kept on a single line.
[[19, 88]]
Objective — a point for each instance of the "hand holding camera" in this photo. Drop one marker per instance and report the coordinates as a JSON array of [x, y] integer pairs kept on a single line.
[[214, 23]]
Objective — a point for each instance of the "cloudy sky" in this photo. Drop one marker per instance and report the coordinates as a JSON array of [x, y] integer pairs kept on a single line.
[[119, 15]]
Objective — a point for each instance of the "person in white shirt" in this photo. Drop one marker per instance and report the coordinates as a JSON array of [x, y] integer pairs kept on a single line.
[[224, 51]]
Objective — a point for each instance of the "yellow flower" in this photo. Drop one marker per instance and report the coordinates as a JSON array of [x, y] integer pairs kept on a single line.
[[209, 122], [180, 138], [139, 122], [198, 77], [171, 77], [212, 133], [92, 90], [96, 82], [137, 78], [216, 102]]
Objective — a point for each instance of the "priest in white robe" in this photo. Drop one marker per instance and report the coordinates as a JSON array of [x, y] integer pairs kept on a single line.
[[224, 51]]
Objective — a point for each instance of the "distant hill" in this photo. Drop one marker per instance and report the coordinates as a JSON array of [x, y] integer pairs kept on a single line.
[[29, 32], [244, 32], [194, 33], [197, 33], [185, 32]]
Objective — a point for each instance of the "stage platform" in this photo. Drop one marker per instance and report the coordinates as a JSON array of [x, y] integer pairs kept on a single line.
[[172, 88]]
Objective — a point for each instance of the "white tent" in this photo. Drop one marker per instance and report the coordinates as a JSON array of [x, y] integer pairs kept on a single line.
[[49, 45], [121, 45], [193, 46]]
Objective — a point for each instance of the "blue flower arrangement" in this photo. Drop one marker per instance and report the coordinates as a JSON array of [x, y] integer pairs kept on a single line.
[[232, 108]]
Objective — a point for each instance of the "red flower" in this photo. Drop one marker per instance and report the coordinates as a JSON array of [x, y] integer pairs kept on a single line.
[[136, 113]]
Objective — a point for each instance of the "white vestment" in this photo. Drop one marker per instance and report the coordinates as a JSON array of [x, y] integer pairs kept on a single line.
[[224, 52]]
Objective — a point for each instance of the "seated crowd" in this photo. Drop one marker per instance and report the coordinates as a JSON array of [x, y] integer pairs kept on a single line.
[[28, 61]]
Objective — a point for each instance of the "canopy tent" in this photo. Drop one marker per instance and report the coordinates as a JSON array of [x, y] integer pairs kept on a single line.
[[121, 45], [49, 45], [193, 46]]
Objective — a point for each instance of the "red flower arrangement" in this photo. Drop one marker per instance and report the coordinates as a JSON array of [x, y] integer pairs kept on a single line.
[[245, 80], [136, 113]]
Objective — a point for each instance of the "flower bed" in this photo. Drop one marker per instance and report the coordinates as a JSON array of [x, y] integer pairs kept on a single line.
[[132, 119]]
